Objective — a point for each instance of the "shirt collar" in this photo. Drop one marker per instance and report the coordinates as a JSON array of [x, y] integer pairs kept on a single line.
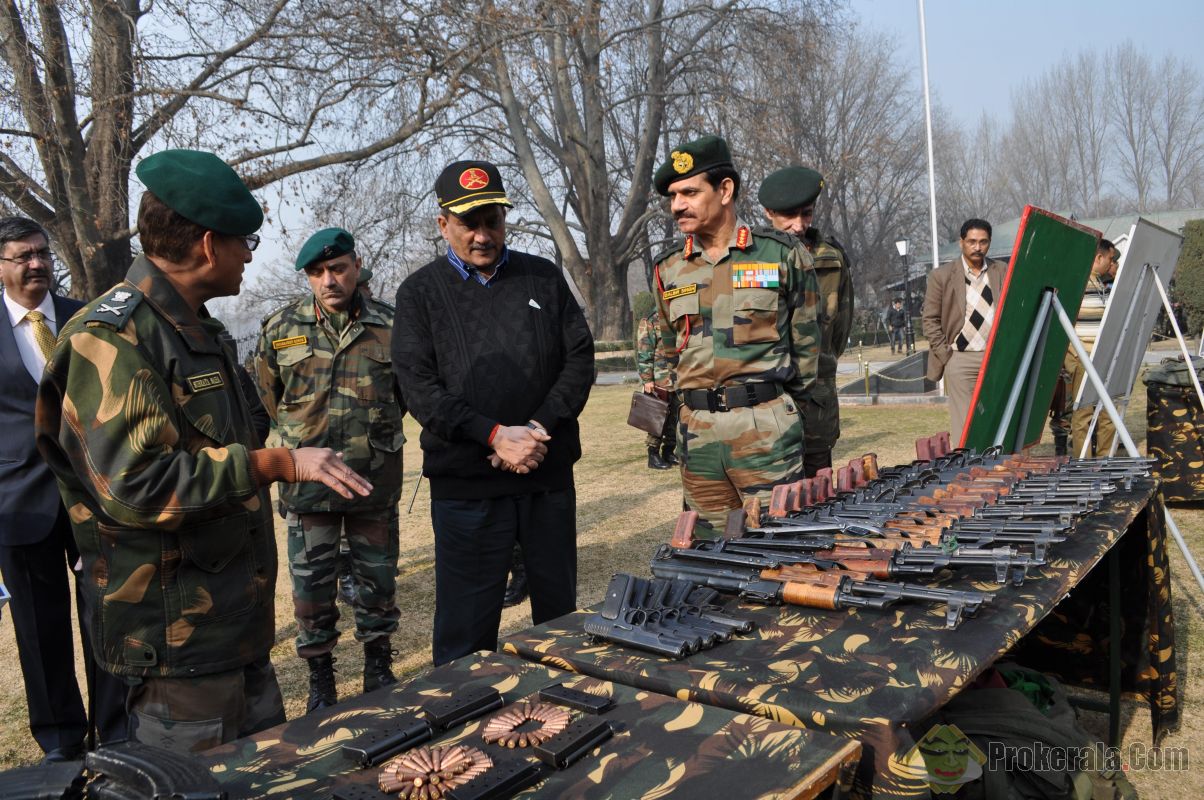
[[970, 273], [465, 271], [17, 312]]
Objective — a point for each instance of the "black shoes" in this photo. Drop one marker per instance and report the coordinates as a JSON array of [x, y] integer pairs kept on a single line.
[[322, 691], [516, 589], [667, 455], [655, 461], [61, 754], [378, 662]]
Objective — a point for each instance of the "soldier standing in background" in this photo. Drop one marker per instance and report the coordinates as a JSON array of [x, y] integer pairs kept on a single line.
[[654, 373], [141, 420], [324, 372], [738, 318], [789, 196]]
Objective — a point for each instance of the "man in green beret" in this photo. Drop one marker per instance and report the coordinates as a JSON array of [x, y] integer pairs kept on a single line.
[[738, 315], [325, 377], [142, 420], [789, 197]]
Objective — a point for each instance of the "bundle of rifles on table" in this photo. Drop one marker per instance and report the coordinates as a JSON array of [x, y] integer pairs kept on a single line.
[[851, 539]]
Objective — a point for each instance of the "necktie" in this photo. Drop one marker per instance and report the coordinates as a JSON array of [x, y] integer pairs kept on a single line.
[[41, 333]]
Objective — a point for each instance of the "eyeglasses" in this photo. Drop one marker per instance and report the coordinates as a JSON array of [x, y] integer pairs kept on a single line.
[[45, 256], [251, 241]]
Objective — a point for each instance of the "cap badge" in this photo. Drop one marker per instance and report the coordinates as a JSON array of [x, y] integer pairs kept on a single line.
[[682, 162], [474, 178]]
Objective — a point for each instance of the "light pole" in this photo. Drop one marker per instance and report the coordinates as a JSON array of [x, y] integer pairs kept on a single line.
[[904, 248]]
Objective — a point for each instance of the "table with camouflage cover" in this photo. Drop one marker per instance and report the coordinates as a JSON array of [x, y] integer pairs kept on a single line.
[[662, 746], [874, 675]]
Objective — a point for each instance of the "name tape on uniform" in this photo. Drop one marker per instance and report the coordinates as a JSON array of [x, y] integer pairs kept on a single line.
[[292, 341], [756, 276], [206, 381], [680, 291]]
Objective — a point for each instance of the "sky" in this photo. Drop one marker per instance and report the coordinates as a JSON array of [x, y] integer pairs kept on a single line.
[[979, 51]]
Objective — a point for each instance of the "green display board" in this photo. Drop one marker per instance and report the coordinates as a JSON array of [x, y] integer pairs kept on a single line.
[[1050, 252]]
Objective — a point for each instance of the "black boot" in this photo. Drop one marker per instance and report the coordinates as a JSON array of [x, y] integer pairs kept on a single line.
[[322, 691], [516, 589], [654, 459], [378, 658], [1060, 444], [667, 453]]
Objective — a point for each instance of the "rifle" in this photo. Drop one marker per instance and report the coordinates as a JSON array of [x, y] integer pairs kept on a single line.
[[662, 617]]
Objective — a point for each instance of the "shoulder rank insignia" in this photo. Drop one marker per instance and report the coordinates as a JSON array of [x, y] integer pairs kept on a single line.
[[205, 381], [688, 250], [756, 276], [115, 308], [743, 235], [680, 291], [292, 341]]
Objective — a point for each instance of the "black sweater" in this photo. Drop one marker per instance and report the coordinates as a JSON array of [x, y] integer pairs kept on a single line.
[[468, 357]]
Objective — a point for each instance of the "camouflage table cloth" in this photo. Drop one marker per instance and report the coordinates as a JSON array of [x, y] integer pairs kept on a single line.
[[662, 746], [871, 675]]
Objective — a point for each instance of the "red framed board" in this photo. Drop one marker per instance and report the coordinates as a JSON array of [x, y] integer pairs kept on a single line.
[[1050, 252]]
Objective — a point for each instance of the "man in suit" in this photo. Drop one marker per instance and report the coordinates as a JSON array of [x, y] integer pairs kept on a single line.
[[959, 308], [36, 545]]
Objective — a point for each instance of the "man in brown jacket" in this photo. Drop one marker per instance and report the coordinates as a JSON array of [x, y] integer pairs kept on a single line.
[[959, 309]]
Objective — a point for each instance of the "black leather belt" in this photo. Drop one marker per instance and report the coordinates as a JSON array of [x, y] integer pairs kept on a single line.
[[728, 397]]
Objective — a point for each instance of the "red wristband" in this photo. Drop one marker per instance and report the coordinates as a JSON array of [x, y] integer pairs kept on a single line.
[[493, 433]]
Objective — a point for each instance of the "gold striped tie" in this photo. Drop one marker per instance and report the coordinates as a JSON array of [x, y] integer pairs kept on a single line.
[[41, 333]]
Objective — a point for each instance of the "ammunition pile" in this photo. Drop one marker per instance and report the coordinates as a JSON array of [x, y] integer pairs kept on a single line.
[[429, 773], [504, 728]]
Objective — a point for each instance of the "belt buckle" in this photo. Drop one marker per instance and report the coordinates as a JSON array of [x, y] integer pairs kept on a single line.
[[716, 400]]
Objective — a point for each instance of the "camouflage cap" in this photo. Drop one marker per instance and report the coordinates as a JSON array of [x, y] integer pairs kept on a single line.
[[690, 159], [202, 188], [465, 185], [324, 245], [790, 188], [365, 276]]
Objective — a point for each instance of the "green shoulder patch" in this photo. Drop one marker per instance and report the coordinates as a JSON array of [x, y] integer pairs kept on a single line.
[[115, 307], [766, 232], [673, 249]]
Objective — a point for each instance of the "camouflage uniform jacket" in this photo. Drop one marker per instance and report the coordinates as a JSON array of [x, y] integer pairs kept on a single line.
[[750, 316], [650, 352], [821, 413], [324, 389], [141, 419]]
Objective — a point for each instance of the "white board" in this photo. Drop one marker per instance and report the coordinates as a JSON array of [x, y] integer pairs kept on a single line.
[[1132, 309]]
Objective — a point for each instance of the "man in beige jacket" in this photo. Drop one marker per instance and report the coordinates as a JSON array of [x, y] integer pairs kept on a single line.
[[959, 309]]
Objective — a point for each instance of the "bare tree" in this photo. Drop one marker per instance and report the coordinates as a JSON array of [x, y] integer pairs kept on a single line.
[[279, 87], [581, 87], [1178, 130], [1132, 83]]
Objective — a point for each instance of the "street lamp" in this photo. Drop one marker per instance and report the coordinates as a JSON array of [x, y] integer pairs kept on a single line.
[[904, 248]]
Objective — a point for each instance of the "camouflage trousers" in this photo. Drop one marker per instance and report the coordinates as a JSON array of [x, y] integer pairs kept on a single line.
[[188, 715], [730, 455], [313, 556], [669, 432], [1075, 422]]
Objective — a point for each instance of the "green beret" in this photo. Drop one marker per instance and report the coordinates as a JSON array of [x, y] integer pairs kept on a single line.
[[201, 188], [790, 188], [690, 159], [324, 245], [365, 276]]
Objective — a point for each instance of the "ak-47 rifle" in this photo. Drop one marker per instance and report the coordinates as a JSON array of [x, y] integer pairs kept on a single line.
[[814, 585]]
